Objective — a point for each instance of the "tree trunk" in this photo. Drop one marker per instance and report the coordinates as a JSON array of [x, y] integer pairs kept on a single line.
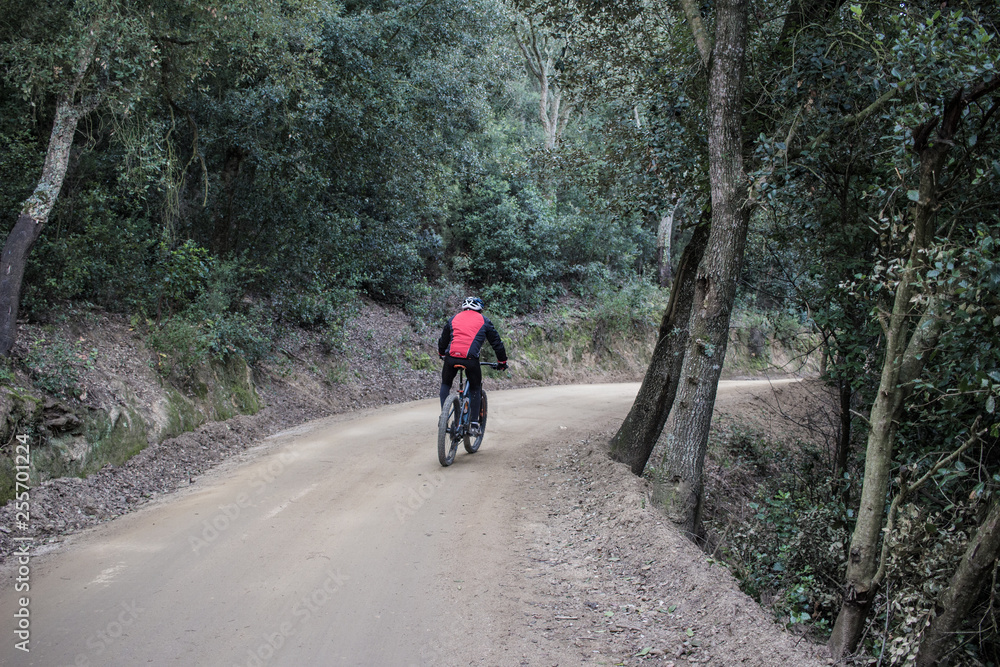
[[963, 590], [635, 439], [540, 60], [900, 368], [663, 234], [37, 208], [34, 215], [715, 286], [12, 262], [846, 394]]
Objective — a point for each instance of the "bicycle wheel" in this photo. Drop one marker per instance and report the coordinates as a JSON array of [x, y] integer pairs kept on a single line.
[[448, 426], [472, 446]]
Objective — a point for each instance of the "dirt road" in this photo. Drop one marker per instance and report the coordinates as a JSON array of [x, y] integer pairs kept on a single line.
[[342, 542]]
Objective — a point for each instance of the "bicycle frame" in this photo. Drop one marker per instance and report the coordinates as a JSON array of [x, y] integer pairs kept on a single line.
[[463, 394], [454, 423], [463, 397]]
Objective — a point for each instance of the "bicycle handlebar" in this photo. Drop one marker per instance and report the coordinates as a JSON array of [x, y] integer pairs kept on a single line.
[[491, 364]]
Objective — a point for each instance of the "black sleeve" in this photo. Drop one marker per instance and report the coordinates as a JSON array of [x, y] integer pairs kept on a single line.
[[445, 339], [494, 338]]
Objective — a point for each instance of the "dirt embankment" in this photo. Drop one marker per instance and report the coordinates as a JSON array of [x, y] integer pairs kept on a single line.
[[599, 518], [615, 580], [133, 432]]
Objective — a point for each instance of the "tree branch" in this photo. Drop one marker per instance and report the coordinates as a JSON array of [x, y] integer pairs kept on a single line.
[[702, 40], [848, 121], [906, 491]]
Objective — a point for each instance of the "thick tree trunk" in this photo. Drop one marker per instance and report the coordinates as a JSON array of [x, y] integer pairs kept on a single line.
[[900, 368], [963, 590], [715, 286], [34, 215], [635, 439]]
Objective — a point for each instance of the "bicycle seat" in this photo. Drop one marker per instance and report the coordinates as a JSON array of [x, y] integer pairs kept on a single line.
[[460, 366]]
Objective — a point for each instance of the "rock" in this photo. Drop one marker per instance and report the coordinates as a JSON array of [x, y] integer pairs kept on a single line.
[[65, 422]]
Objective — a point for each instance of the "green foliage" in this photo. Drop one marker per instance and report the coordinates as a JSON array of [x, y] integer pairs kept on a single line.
[[55, 365], [97, 248], [788, 551], [20, 161], [316, 309], [624, 313], [249, 336], [254, 166], [524, 250], [420, 361], [430, 305], [181, 348], [926, 547], [786, 543], [6, 371], [183, 272], [367, 147]]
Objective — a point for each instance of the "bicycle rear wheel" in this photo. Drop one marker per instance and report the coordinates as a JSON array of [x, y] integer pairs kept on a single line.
[[472, 446], [448, 429]]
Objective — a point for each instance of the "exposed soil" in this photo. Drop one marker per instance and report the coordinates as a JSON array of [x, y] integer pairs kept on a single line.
[[613, 578], [610, 578], [291, 394], [306, 380]]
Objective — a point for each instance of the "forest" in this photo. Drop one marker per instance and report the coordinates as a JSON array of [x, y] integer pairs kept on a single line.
[[219, 171]]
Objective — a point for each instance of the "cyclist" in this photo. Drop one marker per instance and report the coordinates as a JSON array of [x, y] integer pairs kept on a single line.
[[459, 345]]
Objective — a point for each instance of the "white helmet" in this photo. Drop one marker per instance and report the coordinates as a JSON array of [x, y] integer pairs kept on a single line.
[[473, 303]]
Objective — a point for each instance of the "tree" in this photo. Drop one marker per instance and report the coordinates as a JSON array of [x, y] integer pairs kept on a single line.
[[964, 588], [74, 100], [540, 51], [114, 60], [905, 355], [715, 284], [635, 439]]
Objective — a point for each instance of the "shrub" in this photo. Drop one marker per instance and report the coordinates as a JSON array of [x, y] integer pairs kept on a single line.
[[617, 312], [183, 274], [180, 347], [316, 306], [55, 365], [97, 248], [243, 335], [787, 553], [784, 529], [430, 305]]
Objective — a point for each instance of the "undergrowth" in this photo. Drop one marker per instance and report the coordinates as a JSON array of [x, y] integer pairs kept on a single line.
[[55, 364], [779, 524]]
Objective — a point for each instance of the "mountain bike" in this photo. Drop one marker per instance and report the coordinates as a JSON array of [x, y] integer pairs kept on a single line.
[[453, 425]]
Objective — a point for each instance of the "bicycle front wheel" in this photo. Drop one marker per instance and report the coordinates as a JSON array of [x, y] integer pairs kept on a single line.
[[472, 446], [448, 430]]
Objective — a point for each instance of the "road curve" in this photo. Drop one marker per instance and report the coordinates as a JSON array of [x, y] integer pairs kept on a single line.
[[342, 542]]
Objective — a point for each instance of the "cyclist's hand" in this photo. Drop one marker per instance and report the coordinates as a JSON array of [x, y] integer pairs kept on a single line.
[[501, 365]]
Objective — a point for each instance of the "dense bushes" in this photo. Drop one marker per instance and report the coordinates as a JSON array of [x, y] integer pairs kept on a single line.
[[267, 181]]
